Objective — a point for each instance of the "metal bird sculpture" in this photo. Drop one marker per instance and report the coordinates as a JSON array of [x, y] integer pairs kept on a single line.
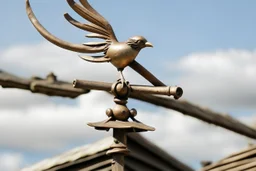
[[120, 54]]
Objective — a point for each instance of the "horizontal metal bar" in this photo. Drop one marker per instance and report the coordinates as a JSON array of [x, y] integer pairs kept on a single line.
[[160, 90], [92, 85]]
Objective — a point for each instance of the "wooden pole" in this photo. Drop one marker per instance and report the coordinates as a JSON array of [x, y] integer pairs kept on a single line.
[[120, 139]]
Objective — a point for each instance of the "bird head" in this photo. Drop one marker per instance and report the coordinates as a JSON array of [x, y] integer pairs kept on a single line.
[[138, 42]]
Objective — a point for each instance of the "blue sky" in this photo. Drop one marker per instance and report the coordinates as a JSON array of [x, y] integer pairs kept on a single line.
[[181, 31], [186, 26]]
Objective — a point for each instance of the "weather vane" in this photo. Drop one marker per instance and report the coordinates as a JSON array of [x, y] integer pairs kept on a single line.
[[119, 54]]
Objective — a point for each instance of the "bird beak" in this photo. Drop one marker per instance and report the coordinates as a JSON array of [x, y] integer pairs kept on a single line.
[[148, 44]]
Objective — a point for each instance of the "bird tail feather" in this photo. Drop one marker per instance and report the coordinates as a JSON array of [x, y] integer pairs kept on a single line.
[[96, 59]]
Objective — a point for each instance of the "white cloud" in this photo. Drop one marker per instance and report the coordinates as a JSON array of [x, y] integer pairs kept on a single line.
[[18, 99], [53, 126], [222, 79], [10, 161]]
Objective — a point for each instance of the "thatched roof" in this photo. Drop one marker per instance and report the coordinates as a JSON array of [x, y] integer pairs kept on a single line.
[[143, 156], [244, 160]]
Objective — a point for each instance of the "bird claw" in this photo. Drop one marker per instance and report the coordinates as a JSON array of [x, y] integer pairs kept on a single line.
[[123, 82]]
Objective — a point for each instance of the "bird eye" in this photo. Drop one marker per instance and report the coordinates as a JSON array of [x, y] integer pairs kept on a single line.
[[138, 41]]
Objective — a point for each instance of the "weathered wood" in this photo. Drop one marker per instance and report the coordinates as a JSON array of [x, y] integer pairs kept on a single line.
[[49, 86], [243, 160], [10, 81], [94, 157]]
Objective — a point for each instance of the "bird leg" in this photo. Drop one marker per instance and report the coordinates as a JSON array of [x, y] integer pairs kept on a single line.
[[122, 77]]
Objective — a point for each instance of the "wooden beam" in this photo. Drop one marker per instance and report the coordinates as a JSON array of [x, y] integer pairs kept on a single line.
[[64, 89], [49, 86]]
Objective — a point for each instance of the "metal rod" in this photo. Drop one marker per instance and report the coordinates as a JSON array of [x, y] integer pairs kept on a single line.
[[160, 90], [146, 74], [92, 85]]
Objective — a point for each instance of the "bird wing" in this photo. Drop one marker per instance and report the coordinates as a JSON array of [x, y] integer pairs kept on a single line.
[[91, 15], [98, 26], [96, 59]]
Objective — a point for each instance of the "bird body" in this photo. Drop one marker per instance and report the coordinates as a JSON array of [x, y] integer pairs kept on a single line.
[[121, 54]]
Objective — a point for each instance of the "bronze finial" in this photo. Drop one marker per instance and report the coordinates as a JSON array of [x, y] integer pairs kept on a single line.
[[120, 54]]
